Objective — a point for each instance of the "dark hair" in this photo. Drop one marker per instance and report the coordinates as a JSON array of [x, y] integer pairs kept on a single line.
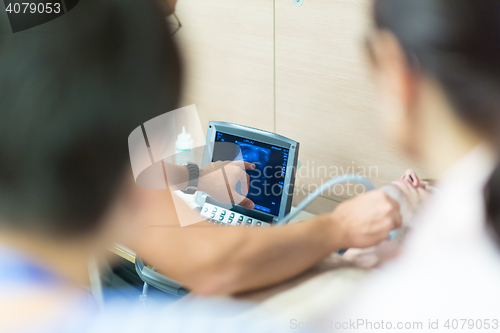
[[71, 91], [457, 42]]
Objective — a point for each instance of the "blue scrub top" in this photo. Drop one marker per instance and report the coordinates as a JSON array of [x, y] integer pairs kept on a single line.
[[18, 272]]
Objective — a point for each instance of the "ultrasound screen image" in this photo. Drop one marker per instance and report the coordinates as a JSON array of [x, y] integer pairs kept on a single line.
[[267, 179]]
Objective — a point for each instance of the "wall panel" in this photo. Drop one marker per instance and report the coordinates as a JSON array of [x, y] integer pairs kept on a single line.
[[228, 54], [325, 97]]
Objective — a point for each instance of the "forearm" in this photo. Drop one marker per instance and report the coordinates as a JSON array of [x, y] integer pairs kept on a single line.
[[177, 176], [270, 256], [222, 260], [215, 260]]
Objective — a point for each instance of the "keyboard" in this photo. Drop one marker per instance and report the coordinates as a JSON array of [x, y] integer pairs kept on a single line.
[[224, 216]]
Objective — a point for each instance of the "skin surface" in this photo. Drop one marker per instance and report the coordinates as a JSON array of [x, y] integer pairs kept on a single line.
[[411, 193], [169, 6], [220, 260], [212, 181]]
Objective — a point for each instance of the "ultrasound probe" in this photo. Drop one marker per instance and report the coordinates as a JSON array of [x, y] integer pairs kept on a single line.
[[332, 182]]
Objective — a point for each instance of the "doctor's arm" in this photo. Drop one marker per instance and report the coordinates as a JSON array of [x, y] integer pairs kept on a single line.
[[212, 182], [222, 260]]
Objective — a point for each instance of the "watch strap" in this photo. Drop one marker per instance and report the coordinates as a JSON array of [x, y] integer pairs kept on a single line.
[[194, 175]]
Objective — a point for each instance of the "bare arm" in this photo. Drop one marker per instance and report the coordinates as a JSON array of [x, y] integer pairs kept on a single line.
[[212, 181], [221, 260]]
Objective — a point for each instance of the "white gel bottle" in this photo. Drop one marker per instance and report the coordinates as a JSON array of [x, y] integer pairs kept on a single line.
[[183, 148]]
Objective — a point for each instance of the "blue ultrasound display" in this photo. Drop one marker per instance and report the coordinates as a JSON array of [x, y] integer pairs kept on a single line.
[[267, 179]]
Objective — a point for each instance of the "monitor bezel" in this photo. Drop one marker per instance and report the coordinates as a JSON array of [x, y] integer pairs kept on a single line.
[[267, 138]]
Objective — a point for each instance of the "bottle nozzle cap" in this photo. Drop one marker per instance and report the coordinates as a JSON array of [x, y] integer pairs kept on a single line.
[[184, 140]]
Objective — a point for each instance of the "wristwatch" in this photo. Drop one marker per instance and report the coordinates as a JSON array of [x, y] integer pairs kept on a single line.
[[194, 175]]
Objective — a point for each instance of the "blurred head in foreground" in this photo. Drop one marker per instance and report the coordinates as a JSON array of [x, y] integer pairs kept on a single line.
[[436, 63], [72, 90]]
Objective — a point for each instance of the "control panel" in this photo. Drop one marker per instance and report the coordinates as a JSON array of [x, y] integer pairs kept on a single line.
[[226, 217]]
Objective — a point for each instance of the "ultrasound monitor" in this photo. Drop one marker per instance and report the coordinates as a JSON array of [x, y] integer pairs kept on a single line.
[[271, 182]]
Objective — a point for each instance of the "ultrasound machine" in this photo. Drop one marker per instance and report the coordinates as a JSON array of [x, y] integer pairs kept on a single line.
[[271, 186], [271, 182]]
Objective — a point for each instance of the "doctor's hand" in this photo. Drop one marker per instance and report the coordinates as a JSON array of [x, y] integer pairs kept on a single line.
[[227, 182], [366, 220]]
